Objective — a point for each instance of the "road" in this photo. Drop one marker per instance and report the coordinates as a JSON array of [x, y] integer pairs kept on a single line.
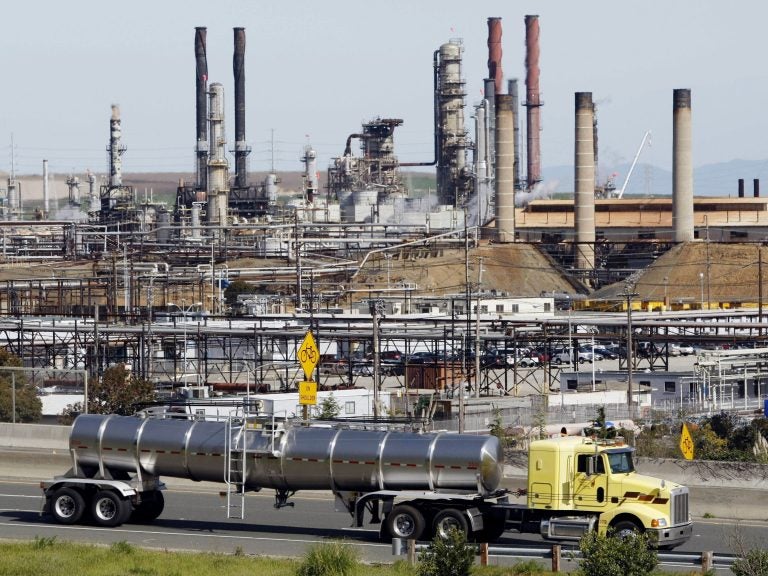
[[195, 519]]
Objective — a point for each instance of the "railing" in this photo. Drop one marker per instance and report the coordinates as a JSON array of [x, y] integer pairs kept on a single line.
[[706, 560]]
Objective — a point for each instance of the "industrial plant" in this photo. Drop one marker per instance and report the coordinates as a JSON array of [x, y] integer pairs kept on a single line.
[[216, 287]]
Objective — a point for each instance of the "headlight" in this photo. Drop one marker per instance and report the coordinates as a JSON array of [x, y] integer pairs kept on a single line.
[[659, 523]]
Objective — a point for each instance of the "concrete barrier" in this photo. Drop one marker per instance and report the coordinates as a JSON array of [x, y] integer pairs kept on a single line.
[[34, 436]]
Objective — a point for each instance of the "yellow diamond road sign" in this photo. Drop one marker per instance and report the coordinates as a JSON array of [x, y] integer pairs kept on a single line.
[[308, 355], [308, 393], [686, 443]]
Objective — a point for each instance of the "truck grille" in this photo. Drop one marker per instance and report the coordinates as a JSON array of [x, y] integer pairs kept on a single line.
[[680, 506]]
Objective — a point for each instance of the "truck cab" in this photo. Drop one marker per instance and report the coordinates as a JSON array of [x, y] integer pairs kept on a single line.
[[576, 484]]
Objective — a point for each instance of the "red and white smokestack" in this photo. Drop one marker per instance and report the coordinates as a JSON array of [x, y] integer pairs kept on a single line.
[[533, 99], [584, 183], [46, 192], [494, 54], [201, 107], [505, 169], [241, 147], [682, 166]]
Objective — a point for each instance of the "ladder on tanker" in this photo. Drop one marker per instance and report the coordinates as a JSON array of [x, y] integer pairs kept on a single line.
[[235, 467]]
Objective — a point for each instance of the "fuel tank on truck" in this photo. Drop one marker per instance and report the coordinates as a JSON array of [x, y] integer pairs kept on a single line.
[[294, 457]]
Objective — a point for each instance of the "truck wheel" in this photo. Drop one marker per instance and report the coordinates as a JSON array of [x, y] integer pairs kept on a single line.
[[152, 505], [625, 529], [67, 506], [494, 525], [109, 509], [447, 520], [405, 522]]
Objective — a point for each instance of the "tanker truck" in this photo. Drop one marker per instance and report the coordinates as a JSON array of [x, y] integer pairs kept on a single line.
[[413, 484]]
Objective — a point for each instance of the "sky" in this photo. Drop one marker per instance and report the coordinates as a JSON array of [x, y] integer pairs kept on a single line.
[[316, 70]]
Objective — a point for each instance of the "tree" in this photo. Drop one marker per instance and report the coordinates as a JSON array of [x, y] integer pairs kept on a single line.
[[118, 392], [452, 556], [29, 408], [614, 556], [329, 408]]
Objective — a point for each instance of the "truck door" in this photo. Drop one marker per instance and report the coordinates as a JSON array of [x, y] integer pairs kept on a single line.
[[591, 482]]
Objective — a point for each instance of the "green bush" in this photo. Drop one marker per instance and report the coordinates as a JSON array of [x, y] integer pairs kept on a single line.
[[753, 563], [452, 556], [331, 559], [612, 556]]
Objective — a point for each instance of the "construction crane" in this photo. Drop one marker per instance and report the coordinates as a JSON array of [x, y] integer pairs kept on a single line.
[[646, 139]]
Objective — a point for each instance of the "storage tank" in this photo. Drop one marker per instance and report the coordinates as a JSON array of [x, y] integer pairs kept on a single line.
[[302, 457]]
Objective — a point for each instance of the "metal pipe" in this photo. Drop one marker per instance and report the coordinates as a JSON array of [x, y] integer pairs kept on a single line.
[[533, 101], [505, 180], [46, 196], [494, 54], [201, 107], [241, 147], [584, 183], [682, 166], [435, 116]]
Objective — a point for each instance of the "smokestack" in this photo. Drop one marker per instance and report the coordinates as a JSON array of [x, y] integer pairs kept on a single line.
[[512, 91], [533, 102], [46, 193], [756, 187], [584, 184], [494, 54], [241, 148], [682, 166], [741, 187], [201, 107], [115, 149], [505, 170]]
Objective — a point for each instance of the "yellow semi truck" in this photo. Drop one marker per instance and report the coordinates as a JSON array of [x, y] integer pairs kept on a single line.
[[578, 484]]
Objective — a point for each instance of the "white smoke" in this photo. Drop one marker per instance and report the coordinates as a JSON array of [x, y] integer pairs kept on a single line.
[[541, 191]]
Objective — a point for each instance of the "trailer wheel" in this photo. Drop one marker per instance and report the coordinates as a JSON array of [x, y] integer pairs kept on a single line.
[[109, 509], [67, 506], [494, 525], [405, 522], [625, 529], [152, 505], [449, 519]]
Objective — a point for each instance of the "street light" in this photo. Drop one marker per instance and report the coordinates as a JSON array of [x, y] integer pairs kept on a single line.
[[184, 311], [701, 281]]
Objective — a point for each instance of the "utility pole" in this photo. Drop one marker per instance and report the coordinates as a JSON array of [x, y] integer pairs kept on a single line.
[[628, 294], [297, 249], [376, 308], [760, 290]]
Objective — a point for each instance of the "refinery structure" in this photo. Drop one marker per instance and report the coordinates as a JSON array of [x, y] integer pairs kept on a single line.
[[484, 247]]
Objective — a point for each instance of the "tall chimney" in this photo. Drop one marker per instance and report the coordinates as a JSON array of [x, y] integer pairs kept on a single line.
[[584, 183], [489, 89], [505, 169], [512, 91], [201, 107], [241, 147], [756, 187], [46, 193], [494, 54], [533, 102], [741, 187], [682, 166]]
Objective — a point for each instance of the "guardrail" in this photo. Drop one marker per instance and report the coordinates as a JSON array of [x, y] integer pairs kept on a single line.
[[706, 560]]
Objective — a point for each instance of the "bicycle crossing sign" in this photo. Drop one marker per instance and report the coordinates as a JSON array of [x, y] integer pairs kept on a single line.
[[686, 443], [308, 355]]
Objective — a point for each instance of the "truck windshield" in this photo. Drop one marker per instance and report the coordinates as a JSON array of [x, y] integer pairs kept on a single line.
[[620, 462]]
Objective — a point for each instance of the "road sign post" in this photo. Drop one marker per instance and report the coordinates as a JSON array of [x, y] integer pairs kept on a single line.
[[309, 356], [686, 443]]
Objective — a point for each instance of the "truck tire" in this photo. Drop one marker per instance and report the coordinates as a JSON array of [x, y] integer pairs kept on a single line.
[[406, 522], [109, 509], [626, 528], [445, 520], [67, 506], [494, 526], [152, 505]]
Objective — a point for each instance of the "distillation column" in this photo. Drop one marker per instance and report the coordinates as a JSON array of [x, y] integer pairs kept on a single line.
[[218, 167]]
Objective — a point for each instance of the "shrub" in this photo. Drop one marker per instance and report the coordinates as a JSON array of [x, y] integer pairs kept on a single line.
[[331, 559], [753, 563], [452, 556], [611, 556]]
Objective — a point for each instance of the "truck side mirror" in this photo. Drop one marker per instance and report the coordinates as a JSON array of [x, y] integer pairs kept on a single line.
[[591, 466]]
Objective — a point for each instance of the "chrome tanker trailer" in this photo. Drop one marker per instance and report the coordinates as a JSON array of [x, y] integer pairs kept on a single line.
[[414, 484]]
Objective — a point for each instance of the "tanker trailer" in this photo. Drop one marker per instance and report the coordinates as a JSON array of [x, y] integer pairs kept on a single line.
[[413, 484]]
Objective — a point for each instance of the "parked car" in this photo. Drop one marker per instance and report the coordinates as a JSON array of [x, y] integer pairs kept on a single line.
[[681, 349], [606, 352], [563, 356], [588, 349]]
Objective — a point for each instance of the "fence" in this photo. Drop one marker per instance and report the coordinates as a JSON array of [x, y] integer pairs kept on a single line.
[[705, 560]]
